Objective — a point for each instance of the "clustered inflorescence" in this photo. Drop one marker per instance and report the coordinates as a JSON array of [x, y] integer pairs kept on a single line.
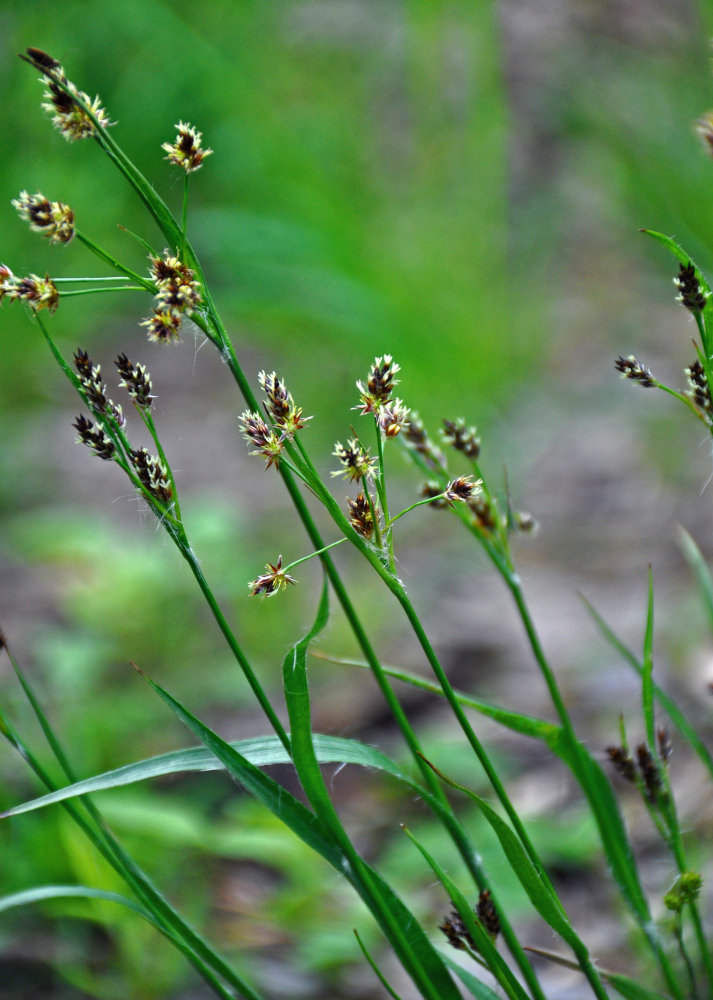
[[645, 770], [186, 151], [73, 112], [694, 296], [53, 219], [38, 293], [178, 293], [456, 931]]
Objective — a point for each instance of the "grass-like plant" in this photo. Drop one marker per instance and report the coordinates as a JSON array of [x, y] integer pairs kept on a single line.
[[677, 951]]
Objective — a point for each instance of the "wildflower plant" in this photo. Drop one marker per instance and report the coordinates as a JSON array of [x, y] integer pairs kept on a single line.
[[275, 430]]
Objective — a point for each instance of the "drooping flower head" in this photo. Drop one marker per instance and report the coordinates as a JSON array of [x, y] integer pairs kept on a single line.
[[73, 112]]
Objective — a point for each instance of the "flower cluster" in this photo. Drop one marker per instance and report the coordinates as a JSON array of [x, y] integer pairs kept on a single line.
[[462, 438], [462, 490], [268, 442], [53, 219], [178, 292], [93, 389], [691, 294], [39, 293], [73, 112], [456, 931], [136, 380], [361, 515], [699, 390], [152, 474], [375, 397], [355, 460], [634, 370], [94, 437], [280, 404], [646, 770], [273, 579], [186, 152]]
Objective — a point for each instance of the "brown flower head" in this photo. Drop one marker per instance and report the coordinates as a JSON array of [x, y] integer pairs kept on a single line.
[[53, 219], [360, 515], [691, 293], [153, 474], [186, 151], [94, 437], [462, 438], [39, 293], [379, 385], [267, 441], [271, 581], [356, 462], [632, 369], [136, 380], [281, 405], [73, 112], [462, 489]]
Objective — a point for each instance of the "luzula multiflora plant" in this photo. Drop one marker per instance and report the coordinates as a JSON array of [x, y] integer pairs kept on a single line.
[[274, 430]]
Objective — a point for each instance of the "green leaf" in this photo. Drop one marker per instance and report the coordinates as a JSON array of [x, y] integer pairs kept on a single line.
[[478, 989], [262, 751], [44, 892], [674, 713], [647, 664], [630, 989], [404, 932], [481, 938]]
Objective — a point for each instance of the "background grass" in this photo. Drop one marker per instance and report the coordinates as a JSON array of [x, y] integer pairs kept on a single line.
[[459, 184]]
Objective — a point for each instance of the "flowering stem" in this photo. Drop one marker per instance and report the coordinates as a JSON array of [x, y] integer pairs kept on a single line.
[[184, 215], [419, 503], [113, 262], [96, 291], [319, 552]]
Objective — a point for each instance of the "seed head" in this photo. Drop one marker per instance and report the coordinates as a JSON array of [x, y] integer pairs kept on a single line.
[[187, 151], [360, 516], [434, 492], [163, 326], [623, 763], [379, 385], [281, 405], [393, 417], [462, 438], [455, 930], [267, 441], [698, 388], [356, 462], [53, 219], [273, 579], [487, 914], [632, 369], [153, 474], [649, 771], [462, 489], [136, 380], [39, 293], [663, 738], [691, 293], [73, 112], [485, 513], [94, 437]]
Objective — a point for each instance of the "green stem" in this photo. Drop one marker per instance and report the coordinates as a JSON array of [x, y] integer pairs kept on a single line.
[[256, 687], [144, 282]]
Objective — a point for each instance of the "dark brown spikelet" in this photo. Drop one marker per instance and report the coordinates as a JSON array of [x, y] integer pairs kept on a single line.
[[360, 516], [649, 771], [431, 489], [3, 640], [94, 437], [630, 368], [487, 914], [455, 930], [462, 438], [485, 515], [152, 474], [691, 294], [41, 60], [699, 390], [623, 763], [136, 380]]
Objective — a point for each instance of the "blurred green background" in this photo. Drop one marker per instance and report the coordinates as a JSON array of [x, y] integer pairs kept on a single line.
[[458, 184]]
